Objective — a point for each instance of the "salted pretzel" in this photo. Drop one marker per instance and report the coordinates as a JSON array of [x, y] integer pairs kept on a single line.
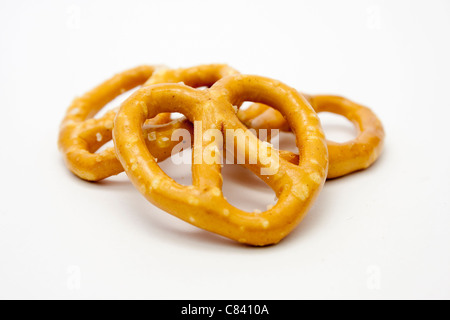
[[81, 135], [344, 158], [203, 204]]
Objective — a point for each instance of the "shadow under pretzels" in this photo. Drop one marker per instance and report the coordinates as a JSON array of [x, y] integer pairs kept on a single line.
[[325, 203], [242, 189]]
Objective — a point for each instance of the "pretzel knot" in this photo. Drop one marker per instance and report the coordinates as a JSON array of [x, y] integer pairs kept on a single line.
[[203, 204], [82, 135], [344, 158]]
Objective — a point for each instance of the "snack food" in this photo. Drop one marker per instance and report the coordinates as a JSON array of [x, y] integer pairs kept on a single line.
[[81, 135], [344, 158], [143, 133], [203, 204]]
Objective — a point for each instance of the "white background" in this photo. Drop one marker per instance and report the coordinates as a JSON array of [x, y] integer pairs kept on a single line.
[[381, 233]]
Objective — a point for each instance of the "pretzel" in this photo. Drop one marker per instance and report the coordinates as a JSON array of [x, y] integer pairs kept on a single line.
[[344, 158], [203, 204], [81, 135]]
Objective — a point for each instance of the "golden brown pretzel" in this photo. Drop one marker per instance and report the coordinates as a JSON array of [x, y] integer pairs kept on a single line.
[[81, 135], [203, 203], [344, 158]]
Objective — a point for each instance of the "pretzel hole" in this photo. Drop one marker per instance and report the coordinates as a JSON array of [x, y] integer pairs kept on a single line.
[[107, 145], [286, 141], [178, 164], [245, 191], [246, 104], [337, 128], [176, 115], [179, 171]]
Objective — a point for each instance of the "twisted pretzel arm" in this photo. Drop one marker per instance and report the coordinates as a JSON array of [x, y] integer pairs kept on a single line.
[[345, 158], [198, 76], [261, 116]]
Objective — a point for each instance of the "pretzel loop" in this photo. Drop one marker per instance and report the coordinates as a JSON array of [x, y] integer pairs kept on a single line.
[[203, 204], [345, 158]]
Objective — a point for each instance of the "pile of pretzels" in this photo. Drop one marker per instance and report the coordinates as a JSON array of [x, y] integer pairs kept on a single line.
[[210, 98]]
